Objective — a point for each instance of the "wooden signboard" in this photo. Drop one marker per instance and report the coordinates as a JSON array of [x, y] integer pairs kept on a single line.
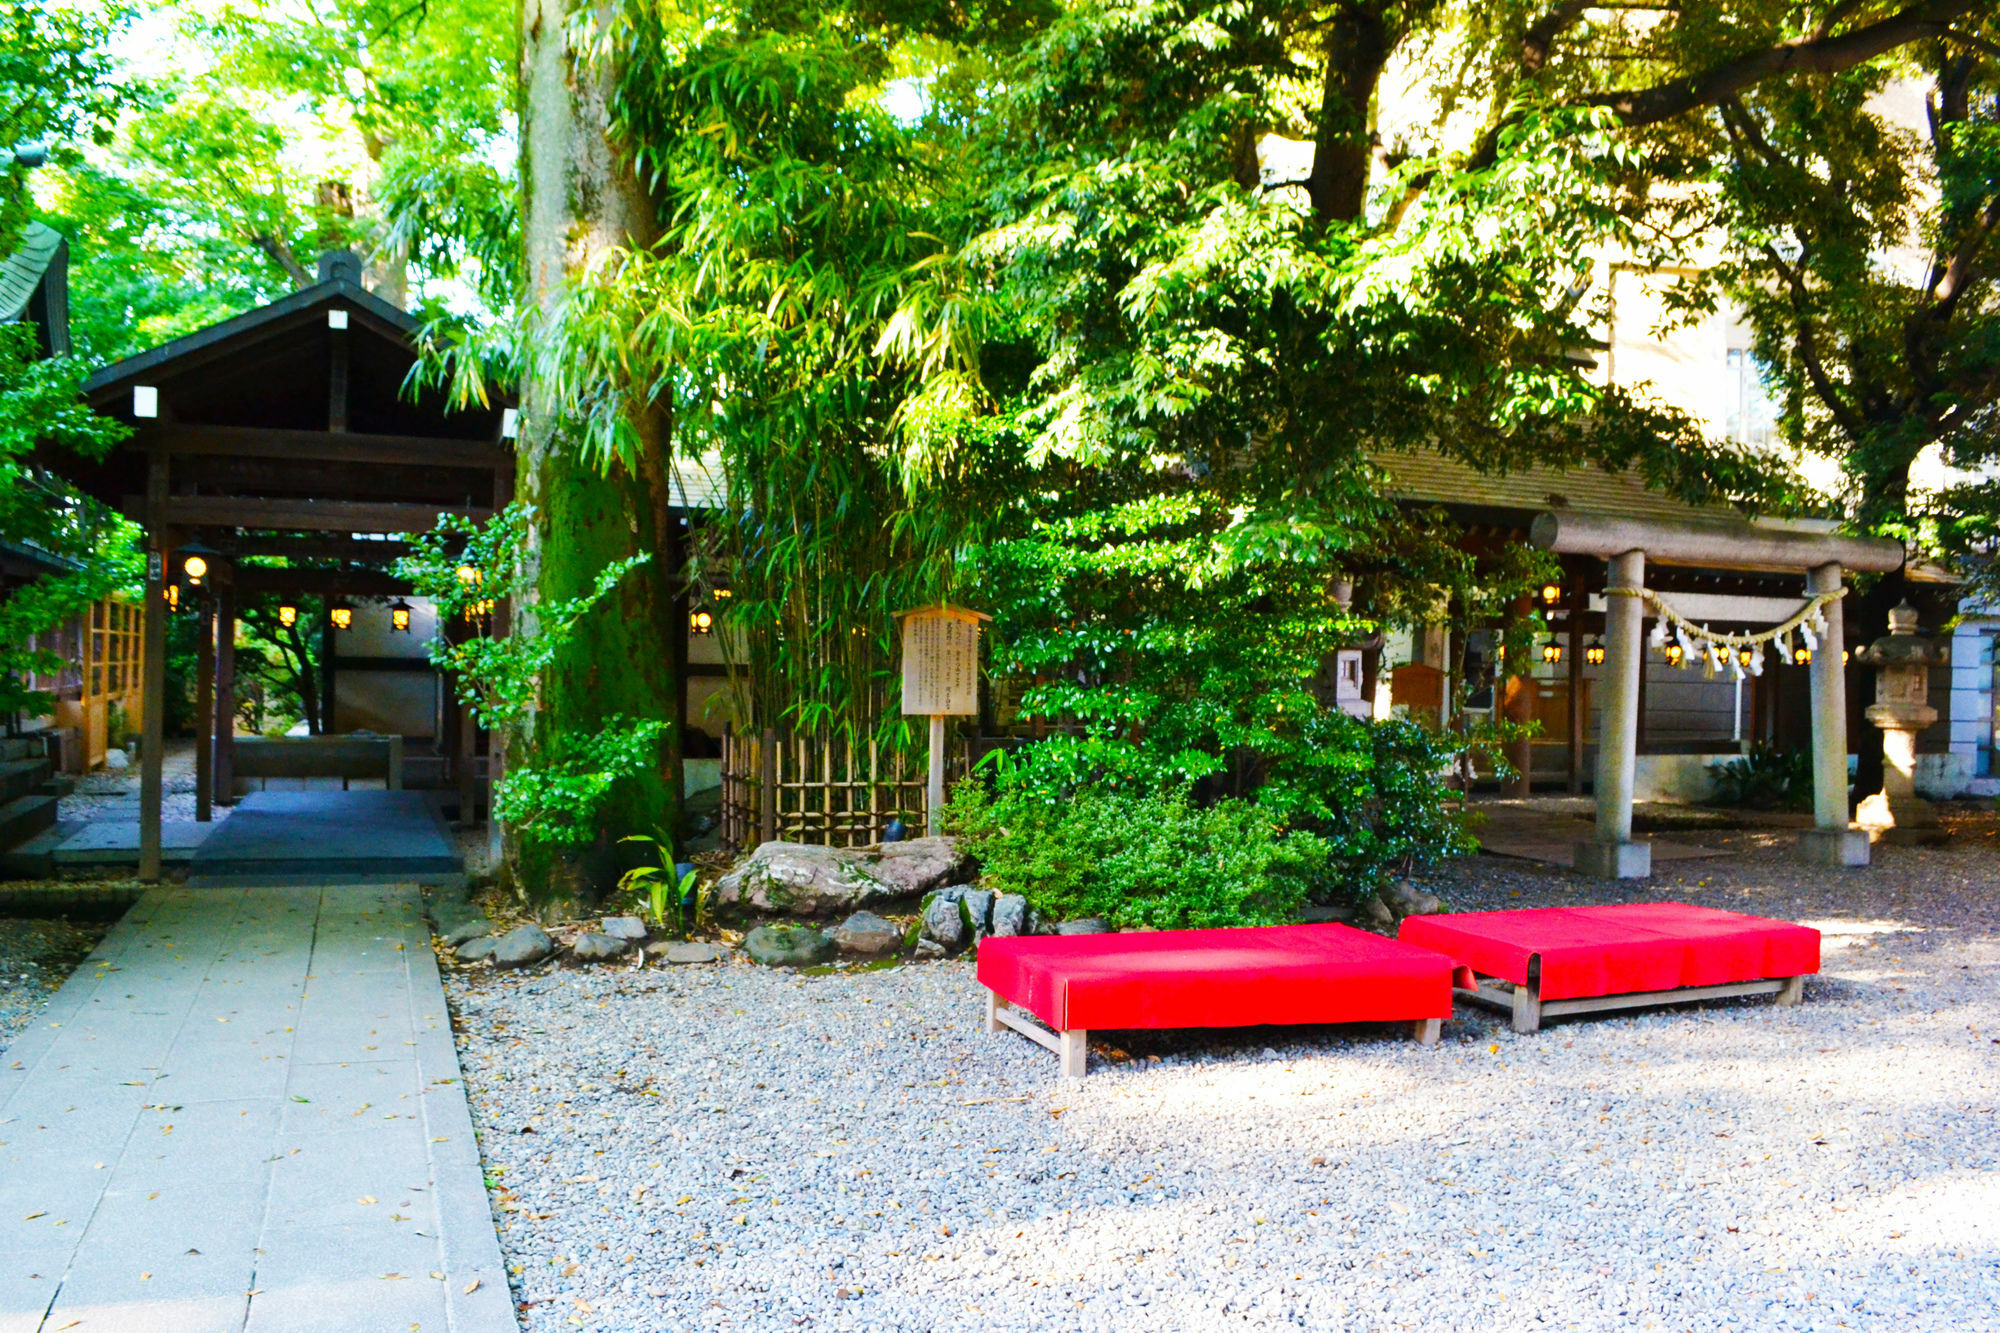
[[941, 662], [940, 679]]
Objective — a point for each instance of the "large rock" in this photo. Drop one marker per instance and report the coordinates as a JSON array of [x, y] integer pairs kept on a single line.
[[978, 912], [624, 927], [868, 935], [1089, 925], [474, 950], [798, 879], [1010, 914], [916, 866], [944, 921], [598, 948], [685, 951], [467, 930], [1406, 899], [523, 946], [788, 946]]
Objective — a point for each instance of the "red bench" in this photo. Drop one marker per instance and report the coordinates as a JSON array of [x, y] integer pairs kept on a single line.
[[1208, 979], [1548, 961]]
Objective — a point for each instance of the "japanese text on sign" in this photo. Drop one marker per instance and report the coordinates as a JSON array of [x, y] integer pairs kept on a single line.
[[940, 664]]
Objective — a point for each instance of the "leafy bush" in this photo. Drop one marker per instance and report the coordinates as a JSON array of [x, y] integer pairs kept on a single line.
[[1765, 779], [1137, 858]]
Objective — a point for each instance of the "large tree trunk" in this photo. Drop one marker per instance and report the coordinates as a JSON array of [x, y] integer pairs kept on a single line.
[[582, 200]]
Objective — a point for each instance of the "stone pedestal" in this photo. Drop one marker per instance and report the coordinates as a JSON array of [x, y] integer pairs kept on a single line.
[[1615, 860], [1834, 847], [1902, 662]]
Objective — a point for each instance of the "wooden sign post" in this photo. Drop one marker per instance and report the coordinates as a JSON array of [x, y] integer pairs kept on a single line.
[[940, 680]]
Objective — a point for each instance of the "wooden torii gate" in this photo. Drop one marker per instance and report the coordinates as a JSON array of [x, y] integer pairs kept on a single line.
[[1625, 545]]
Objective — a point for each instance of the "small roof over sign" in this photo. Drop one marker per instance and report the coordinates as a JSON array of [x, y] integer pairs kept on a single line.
[[947, 610]]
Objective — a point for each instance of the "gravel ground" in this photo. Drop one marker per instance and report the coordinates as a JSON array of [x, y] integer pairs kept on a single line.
[[36, 957], [109, 793], [731, 1147]]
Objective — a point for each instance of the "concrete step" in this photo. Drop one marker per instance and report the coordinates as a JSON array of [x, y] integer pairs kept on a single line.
[[36, 858], [59, 785], [22, 747], [24, 817], [22, 777]]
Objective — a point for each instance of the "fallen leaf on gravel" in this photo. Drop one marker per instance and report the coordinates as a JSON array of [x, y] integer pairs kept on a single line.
[[472, 1286], [32, 1216], [394, 1277], [365, 1200], [437, 1275]]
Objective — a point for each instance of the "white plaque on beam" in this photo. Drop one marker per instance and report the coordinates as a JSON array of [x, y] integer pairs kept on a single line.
[[941, 661]]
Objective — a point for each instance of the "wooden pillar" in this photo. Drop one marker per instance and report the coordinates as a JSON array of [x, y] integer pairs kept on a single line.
[[1831, 841], [204, 713], [224, 775], [1612, 854], [1579, 715], [154, 675]]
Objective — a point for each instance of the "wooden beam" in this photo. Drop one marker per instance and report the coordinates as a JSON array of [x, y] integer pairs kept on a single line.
[[360, 663], [314, 548], [274, 478], [243, 511], [321, 582], [321, 447]]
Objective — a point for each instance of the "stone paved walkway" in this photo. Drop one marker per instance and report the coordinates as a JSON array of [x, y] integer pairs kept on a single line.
[[244, 1112]]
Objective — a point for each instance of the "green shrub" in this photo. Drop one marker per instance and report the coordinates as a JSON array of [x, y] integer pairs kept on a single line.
[[1765, 779], [1136, 859]]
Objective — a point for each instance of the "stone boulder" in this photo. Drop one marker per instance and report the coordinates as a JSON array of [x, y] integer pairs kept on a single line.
[[916, 866], [798, 879], [687, 951], [624, 927], [523, 946], [978, 912], [474, 950], [594, 947], [1407, 899], [788, 946], [944, 922], [1089, 925], [471, 928], [868, 935], [1010, 915]]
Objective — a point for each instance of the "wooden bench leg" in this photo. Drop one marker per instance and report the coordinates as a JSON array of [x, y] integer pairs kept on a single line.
[[1793, 991], [1527, 1009], [1075, 1053], [993, 1003], [1428, 1030]]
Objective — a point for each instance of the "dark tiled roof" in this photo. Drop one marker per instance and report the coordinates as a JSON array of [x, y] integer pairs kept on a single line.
[[1431, 478]]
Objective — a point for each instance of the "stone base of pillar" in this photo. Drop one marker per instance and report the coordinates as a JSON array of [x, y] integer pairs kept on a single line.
[[1834, 846], [1614, 860], [1907, 821]]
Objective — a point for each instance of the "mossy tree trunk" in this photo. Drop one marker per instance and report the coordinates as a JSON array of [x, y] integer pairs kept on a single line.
[[581, 199]]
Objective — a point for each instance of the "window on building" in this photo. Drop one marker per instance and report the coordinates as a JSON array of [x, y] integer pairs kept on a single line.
[[1750, 418]]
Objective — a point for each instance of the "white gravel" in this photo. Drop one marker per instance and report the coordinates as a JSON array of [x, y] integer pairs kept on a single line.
[[730, 1147]]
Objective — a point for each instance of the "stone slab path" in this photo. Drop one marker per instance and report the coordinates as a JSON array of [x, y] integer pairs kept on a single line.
[[244, 1113], [330, 833]]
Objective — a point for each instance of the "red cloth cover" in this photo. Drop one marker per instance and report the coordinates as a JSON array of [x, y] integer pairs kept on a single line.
[[1216, 978], [1620, 948]]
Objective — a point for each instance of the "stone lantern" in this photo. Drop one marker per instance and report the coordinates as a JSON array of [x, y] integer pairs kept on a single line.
[[1902, 660]]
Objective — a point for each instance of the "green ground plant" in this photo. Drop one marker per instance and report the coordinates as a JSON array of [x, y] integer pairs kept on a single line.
[[1137, 858]]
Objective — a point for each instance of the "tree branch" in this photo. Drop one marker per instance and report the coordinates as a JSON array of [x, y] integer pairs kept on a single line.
[[1807, 345], [1810, 55], [1540, 38]]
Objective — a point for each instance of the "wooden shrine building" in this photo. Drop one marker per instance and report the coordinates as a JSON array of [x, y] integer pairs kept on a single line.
[[292, 430]]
